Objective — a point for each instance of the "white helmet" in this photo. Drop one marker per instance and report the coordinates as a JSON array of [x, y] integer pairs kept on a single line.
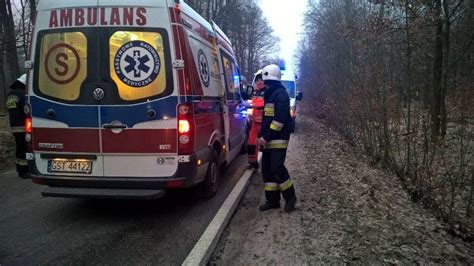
[[271, 72], [255, 76], [22, 79]]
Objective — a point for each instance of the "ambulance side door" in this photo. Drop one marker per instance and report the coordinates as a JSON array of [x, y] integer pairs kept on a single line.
[[233, 101]]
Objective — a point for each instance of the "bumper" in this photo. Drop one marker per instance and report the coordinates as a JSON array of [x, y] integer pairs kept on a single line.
[[188, 174], [103, 193]]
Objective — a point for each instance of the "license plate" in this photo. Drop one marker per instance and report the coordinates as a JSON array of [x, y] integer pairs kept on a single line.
[[70, 166]]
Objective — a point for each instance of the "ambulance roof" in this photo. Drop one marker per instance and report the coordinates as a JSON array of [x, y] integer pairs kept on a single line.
[[190, 12], [220, 32], [55, 4], [287, 75]]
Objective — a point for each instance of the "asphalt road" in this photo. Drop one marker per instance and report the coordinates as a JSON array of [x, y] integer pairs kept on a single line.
[[37, 230]]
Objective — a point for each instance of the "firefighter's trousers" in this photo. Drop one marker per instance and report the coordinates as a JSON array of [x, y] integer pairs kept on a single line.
[[20, 160], [252, 147], [276, 177]]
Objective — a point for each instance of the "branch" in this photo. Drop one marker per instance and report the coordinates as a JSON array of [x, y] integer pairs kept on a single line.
[[423, 50]]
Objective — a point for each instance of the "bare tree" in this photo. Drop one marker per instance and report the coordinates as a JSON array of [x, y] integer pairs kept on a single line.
[[8, 52], [395, 78], [246, 27]]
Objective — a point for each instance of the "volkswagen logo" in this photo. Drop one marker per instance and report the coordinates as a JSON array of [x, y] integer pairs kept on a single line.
[[99, 94]]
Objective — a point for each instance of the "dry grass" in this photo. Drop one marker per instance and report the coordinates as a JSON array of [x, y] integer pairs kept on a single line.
[[7, 145]]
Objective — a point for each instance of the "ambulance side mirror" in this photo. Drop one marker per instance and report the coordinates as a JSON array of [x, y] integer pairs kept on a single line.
[[299, 96]]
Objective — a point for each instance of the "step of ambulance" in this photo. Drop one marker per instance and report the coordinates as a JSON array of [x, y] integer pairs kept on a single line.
[[103, 193]]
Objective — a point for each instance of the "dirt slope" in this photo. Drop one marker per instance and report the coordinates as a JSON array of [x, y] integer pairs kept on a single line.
[[347, 211]]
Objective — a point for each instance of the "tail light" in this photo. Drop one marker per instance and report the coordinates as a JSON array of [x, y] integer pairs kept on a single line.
[[184, 126], [28, 127], [293, 112], [185, 129]]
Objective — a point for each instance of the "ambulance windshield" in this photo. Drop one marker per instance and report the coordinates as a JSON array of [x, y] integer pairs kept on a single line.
[[290, 87]]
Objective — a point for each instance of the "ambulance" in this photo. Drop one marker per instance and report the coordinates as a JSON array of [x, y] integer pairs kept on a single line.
[[129, 99], [289, 81]]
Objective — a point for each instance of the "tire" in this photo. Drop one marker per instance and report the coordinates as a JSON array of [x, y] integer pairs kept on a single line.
[[293, 125], [211, 182]]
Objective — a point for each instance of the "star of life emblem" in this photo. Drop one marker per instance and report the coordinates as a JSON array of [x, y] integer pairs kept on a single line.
[[204, 72], [137, 63]]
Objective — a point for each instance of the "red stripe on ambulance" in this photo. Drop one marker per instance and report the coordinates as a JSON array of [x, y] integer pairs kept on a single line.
[[207, 119], [181, 77], [193, 72], [224, 44], [207, 124], [140, 141], [173, 15], [192, 82], [70, 139], [188, 81]]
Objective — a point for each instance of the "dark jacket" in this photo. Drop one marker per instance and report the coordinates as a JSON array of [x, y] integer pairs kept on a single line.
[[277, 121], [15, 106]]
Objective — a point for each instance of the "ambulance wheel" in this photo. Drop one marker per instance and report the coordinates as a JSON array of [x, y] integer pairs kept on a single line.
[[211, 182], [293, 125]]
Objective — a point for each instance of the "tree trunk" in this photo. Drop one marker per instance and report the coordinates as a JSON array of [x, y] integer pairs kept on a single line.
[[444, 88], [9, 40], [208, 10], [408, 87], [437, 74], [32, 10], [4, 87], [469, 203]]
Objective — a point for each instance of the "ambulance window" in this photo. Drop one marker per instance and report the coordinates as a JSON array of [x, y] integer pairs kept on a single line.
[[232, 78], [137, 64], [62, 65]]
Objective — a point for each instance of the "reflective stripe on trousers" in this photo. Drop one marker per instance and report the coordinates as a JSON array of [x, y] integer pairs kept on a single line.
[[276, 178], [17, 129], [271, 186], [21, 162], [277, 144]]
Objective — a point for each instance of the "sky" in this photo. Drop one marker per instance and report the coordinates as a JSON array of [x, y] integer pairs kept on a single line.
[[286, 19]]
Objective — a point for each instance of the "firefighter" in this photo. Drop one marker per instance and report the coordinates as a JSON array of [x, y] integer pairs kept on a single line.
[[255, 117], [15, 105], [274, 136]]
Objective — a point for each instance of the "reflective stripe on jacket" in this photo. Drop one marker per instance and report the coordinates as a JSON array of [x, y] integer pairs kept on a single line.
[[15, 105]]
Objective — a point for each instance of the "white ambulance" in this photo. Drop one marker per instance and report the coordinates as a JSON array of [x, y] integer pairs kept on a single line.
[[289, 81], [128, 99]]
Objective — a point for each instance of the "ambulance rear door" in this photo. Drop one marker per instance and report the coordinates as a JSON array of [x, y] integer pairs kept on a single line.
[[65, 113], [138, 102]]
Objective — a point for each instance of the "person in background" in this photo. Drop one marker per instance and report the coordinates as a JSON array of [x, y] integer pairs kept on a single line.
[[255, 117], [15, 106], [274, 136], [243, 87]]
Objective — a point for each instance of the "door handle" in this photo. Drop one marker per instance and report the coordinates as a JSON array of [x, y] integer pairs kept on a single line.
[[114, 126]]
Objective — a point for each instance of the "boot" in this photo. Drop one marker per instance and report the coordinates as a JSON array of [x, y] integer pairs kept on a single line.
[[290, 205], [290, 197], [268, 206]]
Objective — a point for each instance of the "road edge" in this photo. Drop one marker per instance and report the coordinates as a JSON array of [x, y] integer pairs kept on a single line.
[[205, 246]]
